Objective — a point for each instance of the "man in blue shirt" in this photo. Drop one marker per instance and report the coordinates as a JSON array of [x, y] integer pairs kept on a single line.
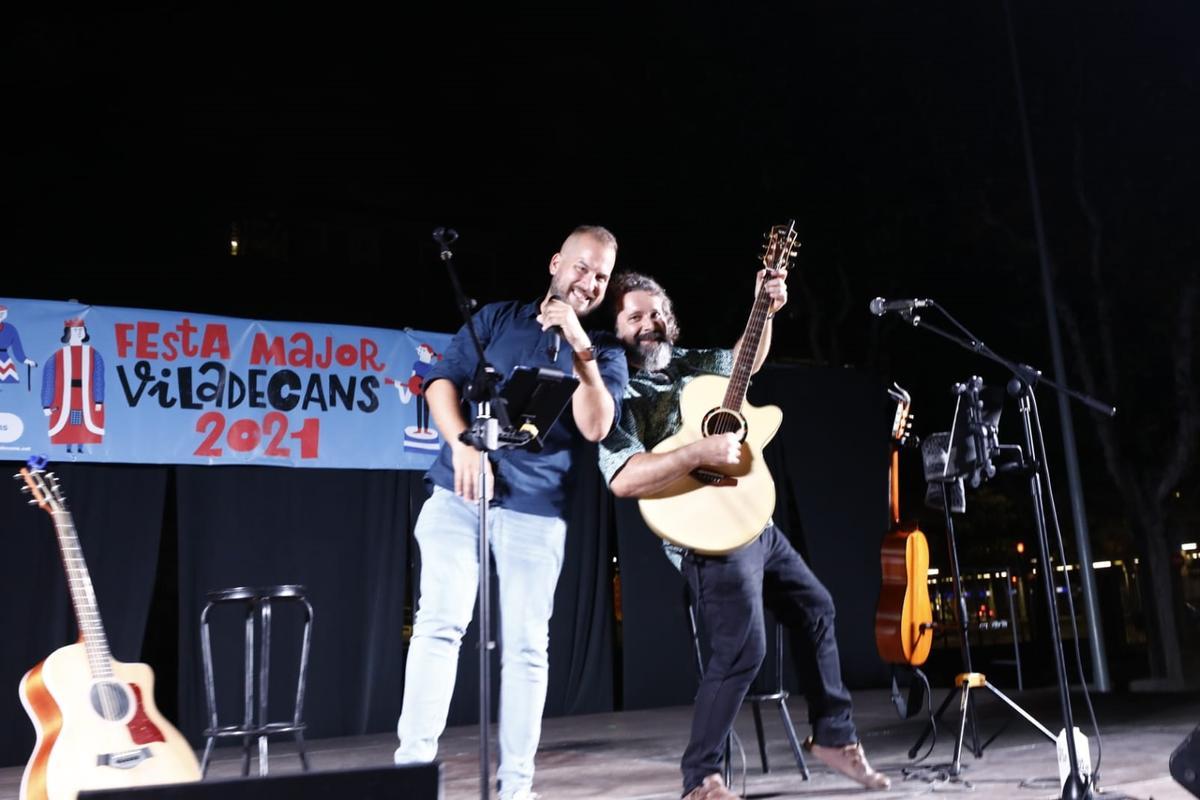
[[527, 493], [728, 589]]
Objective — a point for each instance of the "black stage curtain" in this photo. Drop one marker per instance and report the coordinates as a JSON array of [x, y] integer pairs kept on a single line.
[[581, 630], [158, 538], [657, 660], [343, 534], [830, 462]]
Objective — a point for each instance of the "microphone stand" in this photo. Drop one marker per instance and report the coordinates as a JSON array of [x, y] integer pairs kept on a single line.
[[484, 434], [1021, 386]]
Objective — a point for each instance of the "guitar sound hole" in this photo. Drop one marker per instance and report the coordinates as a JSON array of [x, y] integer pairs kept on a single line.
[[110, 700], [720, 420]]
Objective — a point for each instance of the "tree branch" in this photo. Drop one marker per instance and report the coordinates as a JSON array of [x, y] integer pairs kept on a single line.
[[1108, 351], [1116, 466], [1187, 404]]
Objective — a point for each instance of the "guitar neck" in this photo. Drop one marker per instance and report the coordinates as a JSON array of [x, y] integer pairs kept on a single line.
[[895, 477], [83, 597], [743, 365]]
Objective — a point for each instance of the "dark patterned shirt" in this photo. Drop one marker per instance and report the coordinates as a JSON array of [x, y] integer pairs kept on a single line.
[[650, 407], [650, 413]]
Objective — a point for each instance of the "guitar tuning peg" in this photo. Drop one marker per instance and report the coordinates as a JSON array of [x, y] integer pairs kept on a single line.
[[32, 501], [24, 490]]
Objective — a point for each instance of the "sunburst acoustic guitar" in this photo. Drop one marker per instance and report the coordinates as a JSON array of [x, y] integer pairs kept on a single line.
[[96, 722]]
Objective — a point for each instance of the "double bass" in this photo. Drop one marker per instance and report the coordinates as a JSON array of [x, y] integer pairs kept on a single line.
[[904, 616]]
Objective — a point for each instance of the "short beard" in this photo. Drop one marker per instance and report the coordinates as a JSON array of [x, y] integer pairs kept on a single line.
[[651, 355]]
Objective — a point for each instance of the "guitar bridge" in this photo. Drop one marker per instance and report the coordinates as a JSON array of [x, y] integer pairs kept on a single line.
[[712, 478], [126, 759]]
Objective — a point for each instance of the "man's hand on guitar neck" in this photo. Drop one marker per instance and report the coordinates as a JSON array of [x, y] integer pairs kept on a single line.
[[776, 283], [776, 288], [646, 473]]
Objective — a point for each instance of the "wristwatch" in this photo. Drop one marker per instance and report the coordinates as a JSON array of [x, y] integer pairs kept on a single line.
[[587, 354]]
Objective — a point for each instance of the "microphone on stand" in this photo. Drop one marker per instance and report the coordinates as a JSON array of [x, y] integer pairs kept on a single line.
[[879, 306], [445, 237]]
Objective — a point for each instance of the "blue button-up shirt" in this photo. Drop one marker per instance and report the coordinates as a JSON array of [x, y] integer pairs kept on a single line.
[[534, 483]]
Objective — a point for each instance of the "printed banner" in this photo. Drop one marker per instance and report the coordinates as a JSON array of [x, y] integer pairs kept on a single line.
[[101, 384]]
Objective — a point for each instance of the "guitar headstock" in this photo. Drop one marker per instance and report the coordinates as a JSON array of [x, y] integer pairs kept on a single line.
[[43, 487], [780, 247], [902, 423]]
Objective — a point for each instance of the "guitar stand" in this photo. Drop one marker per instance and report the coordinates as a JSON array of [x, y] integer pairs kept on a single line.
[[964, 682]]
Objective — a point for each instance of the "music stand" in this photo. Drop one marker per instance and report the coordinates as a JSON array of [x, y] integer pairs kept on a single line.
[[541, 395], [972, 447]]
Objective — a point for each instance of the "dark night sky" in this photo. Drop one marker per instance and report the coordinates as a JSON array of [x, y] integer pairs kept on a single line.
[[339, 138]]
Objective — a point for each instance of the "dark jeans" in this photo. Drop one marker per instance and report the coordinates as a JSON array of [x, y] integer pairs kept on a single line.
[[729, 592]]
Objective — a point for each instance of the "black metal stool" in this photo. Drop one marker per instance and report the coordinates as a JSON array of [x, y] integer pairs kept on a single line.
[[779, 696], [258, 602]]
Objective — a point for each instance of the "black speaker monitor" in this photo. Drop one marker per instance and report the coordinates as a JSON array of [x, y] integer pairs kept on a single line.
[[415, 782]]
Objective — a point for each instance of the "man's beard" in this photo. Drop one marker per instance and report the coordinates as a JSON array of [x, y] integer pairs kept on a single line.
[[563, 293], [651, 353]]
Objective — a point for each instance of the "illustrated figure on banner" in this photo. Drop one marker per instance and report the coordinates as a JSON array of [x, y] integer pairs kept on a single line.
[[420, 438], [73, 390], [11, 351]]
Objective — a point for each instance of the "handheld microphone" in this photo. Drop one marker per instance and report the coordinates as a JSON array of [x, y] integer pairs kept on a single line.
[[556, 336]]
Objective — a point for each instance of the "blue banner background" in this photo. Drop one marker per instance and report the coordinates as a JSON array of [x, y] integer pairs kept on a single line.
[[182, 388]]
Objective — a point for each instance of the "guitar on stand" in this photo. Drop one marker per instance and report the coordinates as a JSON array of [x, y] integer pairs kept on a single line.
[[717, 510], [904, 615], [96, 722]]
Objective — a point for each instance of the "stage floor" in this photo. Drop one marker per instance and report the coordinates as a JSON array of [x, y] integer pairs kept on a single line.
[[635, 754]]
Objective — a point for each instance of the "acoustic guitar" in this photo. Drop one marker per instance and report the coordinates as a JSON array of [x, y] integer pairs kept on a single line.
[[719, 509], [904, 616], [96, 723]]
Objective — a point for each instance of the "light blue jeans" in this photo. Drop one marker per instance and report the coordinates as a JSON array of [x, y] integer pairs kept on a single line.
[[528, 550]]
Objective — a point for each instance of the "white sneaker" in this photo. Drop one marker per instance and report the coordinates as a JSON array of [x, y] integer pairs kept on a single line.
[[404, 761]]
